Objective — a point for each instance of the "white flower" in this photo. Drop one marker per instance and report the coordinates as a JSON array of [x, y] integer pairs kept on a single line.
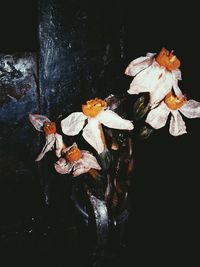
[[94, 113], [78, 161], [43, 124], [157, 117], [156, 75]]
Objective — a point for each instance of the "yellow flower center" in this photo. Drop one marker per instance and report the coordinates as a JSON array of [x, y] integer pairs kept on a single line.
[[73, 154], [93, 107], [174, 102], [49, 127], [168, 60]]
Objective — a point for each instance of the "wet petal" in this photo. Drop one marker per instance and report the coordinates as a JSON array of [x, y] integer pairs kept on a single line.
[[62, 166], [112, 120], [139, 64], [89, 160], [191, 109], [73, 124], [92, 135], [38, 121], [157, 117], [50, 140], [177, 125], [59, 144]]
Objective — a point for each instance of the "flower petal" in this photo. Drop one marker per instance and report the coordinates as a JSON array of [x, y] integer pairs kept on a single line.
[[89, 160], [157, 117], [112, 120], [147, 80], [177, 125], [191, 109], [161, 88], [38, 121], [62, 166], [73, 124], [59, 144], [177, 74], [50, 140], [139, 64], [176, 88], [80, 170], [92, 135]]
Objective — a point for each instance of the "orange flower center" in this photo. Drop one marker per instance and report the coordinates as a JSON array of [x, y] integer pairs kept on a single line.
[[73, 154], [49, 127], [93, 107], [174, 102], [168, 60]]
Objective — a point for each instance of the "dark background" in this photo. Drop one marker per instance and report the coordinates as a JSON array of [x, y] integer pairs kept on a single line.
[[94, 41]]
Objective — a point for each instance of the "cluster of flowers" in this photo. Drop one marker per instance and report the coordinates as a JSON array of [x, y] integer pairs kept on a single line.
[[156, 74]]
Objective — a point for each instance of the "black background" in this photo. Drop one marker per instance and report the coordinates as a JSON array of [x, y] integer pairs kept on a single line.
[[165, 224]]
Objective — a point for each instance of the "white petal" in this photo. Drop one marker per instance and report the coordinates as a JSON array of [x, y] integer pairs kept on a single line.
[[191, 109], [50, 140], [62, 166], [157, 117], [177, 125], [177, 74], [147, 80], [89, 160], [73, 124], [177, 90], [112, 120], [38, 121], [92, 135], [80, 170], [139, 64], [59, 144], [161, 88]]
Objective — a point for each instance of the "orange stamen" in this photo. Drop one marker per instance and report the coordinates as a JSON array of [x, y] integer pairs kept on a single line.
[[168, 60], [73, 154], [93, 107], [49, 127], [174, 102]]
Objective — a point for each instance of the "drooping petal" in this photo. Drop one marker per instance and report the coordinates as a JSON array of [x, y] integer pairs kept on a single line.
[[38, 121], [73, 124], [112, 120], [157, 117], [62, 166], [191, 109], [177, 125], [161, 88], [147, 80], [176, 88], [59, 144], [89, 160], [80, 170], [139, 64], [92, 134], [50, 140], [177, 74]]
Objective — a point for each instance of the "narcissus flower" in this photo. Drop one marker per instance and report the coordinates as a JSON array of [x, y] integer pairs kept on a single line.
[[94, 114], [43, 124], [157, 75], [76, 160], [157, 117]]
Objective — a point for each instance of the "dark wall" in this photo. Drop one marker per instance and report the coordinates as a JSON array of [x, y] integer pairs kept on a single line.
[[81, 52]]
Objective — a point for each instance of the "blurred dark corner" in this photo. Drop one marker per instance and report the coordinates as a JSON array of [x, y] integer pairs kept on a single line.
[[164, 224]]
